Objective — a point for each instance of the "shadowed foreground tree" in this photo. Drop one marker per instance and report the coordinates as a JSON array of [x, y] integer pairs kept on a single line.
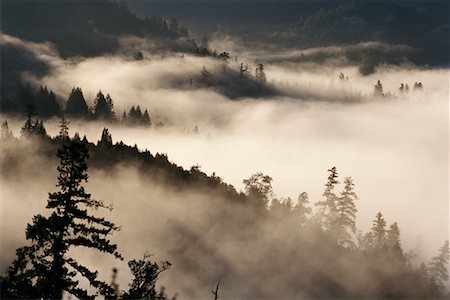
[[145, 273], [44, 269]]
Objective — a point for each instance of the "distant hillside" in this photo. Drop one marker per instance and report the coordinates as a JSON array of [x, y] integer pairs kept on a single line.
[[77, 27], [301, 24], [393, 22]]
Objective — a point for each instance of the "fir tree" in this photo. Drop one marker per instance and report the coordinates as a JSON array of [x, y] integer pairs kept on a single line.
[[438, 266], [259, 189], [378, 233], [145, 273], [76, 104], [45, 268], [63, 129], [260, 75], [302, 209], [106, 139], [124, 118], [327, 207], [103, 107], [346, 210], [5, 132], [393, 243], [146, 119], [138, 115]]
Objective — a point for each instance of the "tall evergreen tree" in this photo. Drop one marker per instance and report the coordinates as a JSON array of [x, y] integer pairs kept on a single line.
[[146, 119], [106, 139], [260, 75], [5, 132], [346, 214], [393, 243], [103, 107], [63, 128], [327, 207], [302, 208], [438, 266], [259, 189], [145, 273], [76, 104], [46, 103], [45, 268], [378, 233]]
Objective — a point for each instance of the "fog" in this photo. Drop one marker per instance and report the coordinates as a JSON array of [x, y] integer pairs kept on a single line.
[[396, 148]]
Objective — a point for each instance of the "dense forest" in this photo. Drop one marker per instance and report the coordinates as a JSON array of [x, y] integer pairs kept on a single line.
[[321, 255]]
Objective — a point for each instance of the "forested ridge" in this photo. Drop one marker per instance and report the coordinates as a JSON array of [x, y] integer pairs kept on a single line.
[[308, 249]]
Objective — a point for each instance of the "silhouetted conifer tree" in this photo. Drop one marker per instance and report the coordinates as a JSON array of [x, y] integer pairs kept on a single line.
[[106, 139], [438, 266], [145, 273], [5, 132], [259, 189], [260, 75], [76, 104], [393, 243], [45, 268], [327, 207], [378, 234], [103, 107], [46, 104], [146, 119], [346, 214], [63, 129], [302, 208]]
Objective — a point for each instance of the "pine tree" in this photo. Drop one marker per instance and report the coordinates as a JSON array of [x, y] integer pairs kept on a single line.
[[138, 115], [327, 207], [45, 269], [5, 132], [302, 209], [260, 75], [438, 266], [378, 233], [393, 242], [124, 118], [132, 116], [346, 214], [259, 189], [145, 273], [103, 107], [146, 119], [106, 139], [76, 104], [110, 105], [63, 129], [27, 129]]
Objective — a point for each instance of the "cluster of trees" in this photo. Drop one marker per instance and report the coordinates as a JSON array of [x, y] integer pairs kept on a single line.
[[323, 252], [46, 269], [43, 104], [136, 117], [235, 79], [43, 101], [380, 248]]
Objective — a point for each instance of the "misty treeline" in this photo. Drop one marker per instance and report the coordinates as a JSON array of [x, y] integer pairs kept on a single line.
[[43, 103], [277, 247]]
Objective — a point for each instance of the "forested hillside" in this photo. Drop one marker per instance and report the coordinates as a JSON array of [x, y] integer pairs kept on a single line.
[[311, 249]]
